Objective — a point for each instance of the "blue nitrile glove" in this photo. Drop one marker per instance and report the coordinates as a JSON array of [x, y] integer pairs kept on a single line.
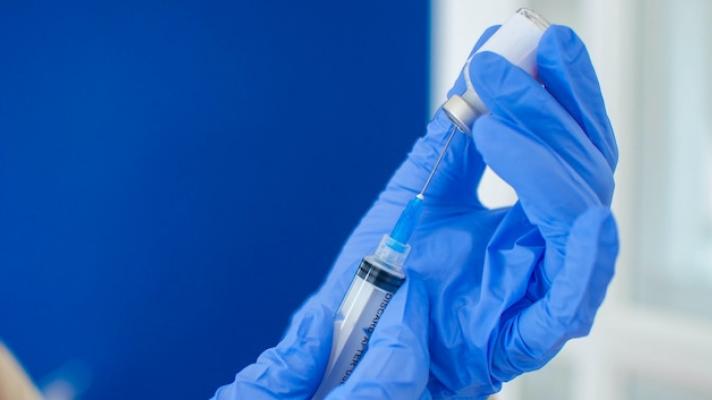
[[535, 277], [490, 293], [395, 366]]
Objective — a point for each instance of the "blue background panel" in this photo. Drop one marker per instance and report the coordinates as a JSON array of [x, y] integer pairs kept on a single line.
[[176, 177]]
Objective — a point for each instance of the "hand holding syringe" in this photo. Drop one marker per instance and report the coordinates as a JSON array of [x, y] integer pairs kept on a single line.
[[490, 294], [381, 274]]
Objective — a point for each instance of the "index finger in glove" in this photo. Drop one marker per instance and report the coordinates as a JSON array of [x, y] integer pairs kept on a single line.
[[552, 192], [512, 94], [566, 70]]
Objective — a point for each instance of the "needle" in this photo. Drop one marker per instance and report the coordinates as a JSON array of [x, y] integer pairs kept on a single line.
[[450, 136]]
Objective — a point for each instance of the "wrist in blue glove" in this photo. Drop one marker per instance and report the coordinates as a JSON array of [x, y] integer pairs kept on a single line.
[[490, 294]]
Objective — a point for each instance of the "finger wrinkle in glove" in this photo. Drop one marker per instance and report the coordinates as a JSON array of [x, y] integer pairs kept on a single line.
[[495, 79], [555, 128]]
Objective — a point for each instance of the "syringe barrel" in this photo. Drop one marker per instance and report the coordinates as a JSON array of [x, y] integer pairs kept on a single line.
[[360, 311], [516, 40]]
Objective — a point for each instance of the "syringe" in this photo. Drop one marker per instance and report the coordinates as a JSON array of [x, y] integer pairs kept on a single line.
[[378, 277], [381, 274]]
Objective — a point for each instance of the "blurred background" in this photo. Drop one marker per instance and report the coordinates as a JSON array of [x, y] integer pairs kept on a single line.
[[653, 337], [153, 154], [176, 177]]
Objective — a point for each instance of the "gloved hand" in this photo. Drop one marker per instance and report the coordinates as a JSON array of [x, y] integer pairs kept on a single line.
[[489, 293], [395, 366], [547, 261]]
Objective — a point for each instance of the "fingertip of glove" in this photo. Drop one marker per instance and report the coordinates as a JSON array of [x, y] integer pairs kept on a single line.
[[459, 86], [598, 221], [310, 323], [560, 42], [320, 316], [608, 234]]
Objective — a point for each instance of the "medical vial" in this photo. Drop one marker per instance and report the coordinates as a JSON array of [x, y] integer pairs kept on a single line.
[[516, 40]]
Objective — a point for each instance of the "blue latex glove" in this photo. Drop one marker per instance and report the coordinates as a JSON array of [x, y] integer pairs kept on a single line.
[[490, 294]]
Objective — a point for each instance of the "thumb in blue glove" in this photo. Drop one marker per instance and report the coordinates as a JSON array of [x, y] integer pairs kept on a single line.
[[290, 370]]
